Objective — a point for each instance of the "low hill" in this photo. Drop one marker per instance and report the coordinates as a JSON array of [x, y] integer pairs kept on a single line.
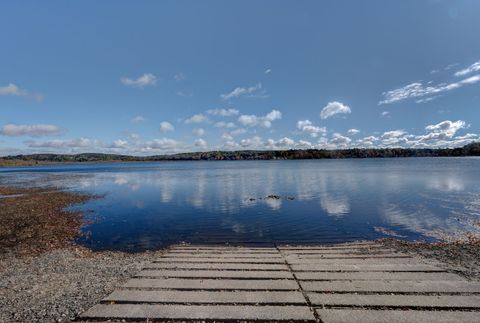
[[472, 149]]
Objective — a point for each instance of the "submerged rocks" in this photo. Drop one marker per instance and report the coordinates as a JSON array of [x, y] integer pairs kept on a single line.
[[271, 197]]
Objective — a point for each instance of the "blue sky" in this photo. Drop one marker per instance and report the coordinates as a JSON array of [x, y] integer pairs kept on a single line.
[[154, 77]]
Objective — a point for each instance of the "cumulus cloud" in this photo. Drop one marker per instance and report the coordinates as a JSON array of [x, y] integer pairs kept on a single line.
[[339, 140], [353, 131], [238, 131], [137, 119], [166, 126], [223, 124], [265, 121], [223, 112], [241, 91], [35, 130], [14, 90], [200, 143], [367, 141], [118, 144], [307, 126], [419, 90], [199, 132], [394, 137], [442, 131], [472, 68], [385, 114], [161, 144], [147, 79], [333, 108], [197, 118]]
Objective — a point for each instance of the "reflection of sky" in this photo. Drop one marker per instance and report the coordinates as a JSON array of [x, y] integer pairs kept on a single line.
[[153, 204]]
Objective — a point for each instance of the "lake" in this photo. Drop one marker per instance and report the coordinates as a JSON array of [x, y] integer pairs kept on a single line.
[[151, 205]]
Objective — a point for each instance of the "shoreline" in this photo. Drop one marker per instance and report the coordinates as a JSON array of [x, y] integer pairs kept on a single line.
[[45, 277]]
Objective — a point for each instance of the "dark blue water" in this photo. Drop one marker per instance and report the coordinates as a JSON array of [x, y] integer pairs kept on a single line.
[[151, 205]]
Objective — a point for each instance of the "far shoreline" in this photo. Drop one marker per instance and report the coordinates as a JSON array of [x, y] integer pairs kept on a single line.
[[470, 150]]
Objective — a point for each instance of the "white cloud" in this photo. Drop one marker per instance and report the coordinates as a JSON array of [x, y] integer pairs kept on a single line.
[[223, 124], [180, 76], [339, 140], [36, 130], [146, 79], [367, 141], [200, 143], [442, 131], [251, 143], [199, 132], [472, 68], [137, 119], [223, 112], [161, 144], [267, 71], [265, 121], [14, 90], [241, 91], [197, 118], [333, 108], [393, 134], [166, 126], [238, 131], [308, 127], [119, 143], [248, 120], [385, 114], [394, 137], [226, 136], [418, 90], [69, 143], [285, 142], [353, 131], [304, 144]]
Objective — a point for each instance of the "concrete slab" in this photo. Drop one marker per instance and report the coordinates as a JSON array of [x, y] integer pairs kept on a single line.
[[346, 256], [216, 274], [395, 316], [220, 284], [365, 267], [208, 266], [223, 260], [392, 286], [224, 251], [356, 261], [204, 297], [222, 255], [377, 276], [349, 251], [211, 312], [444, 301]]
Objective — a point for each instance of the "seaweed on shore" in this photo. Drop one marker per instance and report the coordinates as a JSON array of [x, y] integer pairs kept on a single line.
[[35, 220]]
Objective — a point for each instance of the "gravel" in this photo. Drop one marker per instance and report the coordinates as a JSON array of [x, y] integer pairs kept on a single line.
[[461, 257], [58, 285]]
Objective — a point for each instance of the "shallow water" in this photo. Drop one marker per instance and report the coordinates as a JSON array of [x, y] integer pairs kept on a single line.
[[151, 205]]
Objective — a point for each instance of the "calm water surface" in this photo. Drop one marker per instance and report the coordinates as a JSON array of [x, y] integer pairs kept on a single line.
[[151, 205]]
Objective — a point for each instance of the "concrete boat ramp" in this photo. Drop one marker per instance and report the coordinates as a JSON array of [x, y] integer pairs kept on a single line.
[[352, 282]]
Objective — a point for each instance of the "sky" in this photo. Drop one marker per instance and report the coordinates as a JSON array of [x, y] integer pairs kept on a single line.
[[161, 77]]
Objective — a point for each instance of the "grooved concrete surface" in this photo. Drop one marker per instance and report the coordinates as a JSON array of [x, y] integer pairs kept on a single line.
[[352, 282]]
